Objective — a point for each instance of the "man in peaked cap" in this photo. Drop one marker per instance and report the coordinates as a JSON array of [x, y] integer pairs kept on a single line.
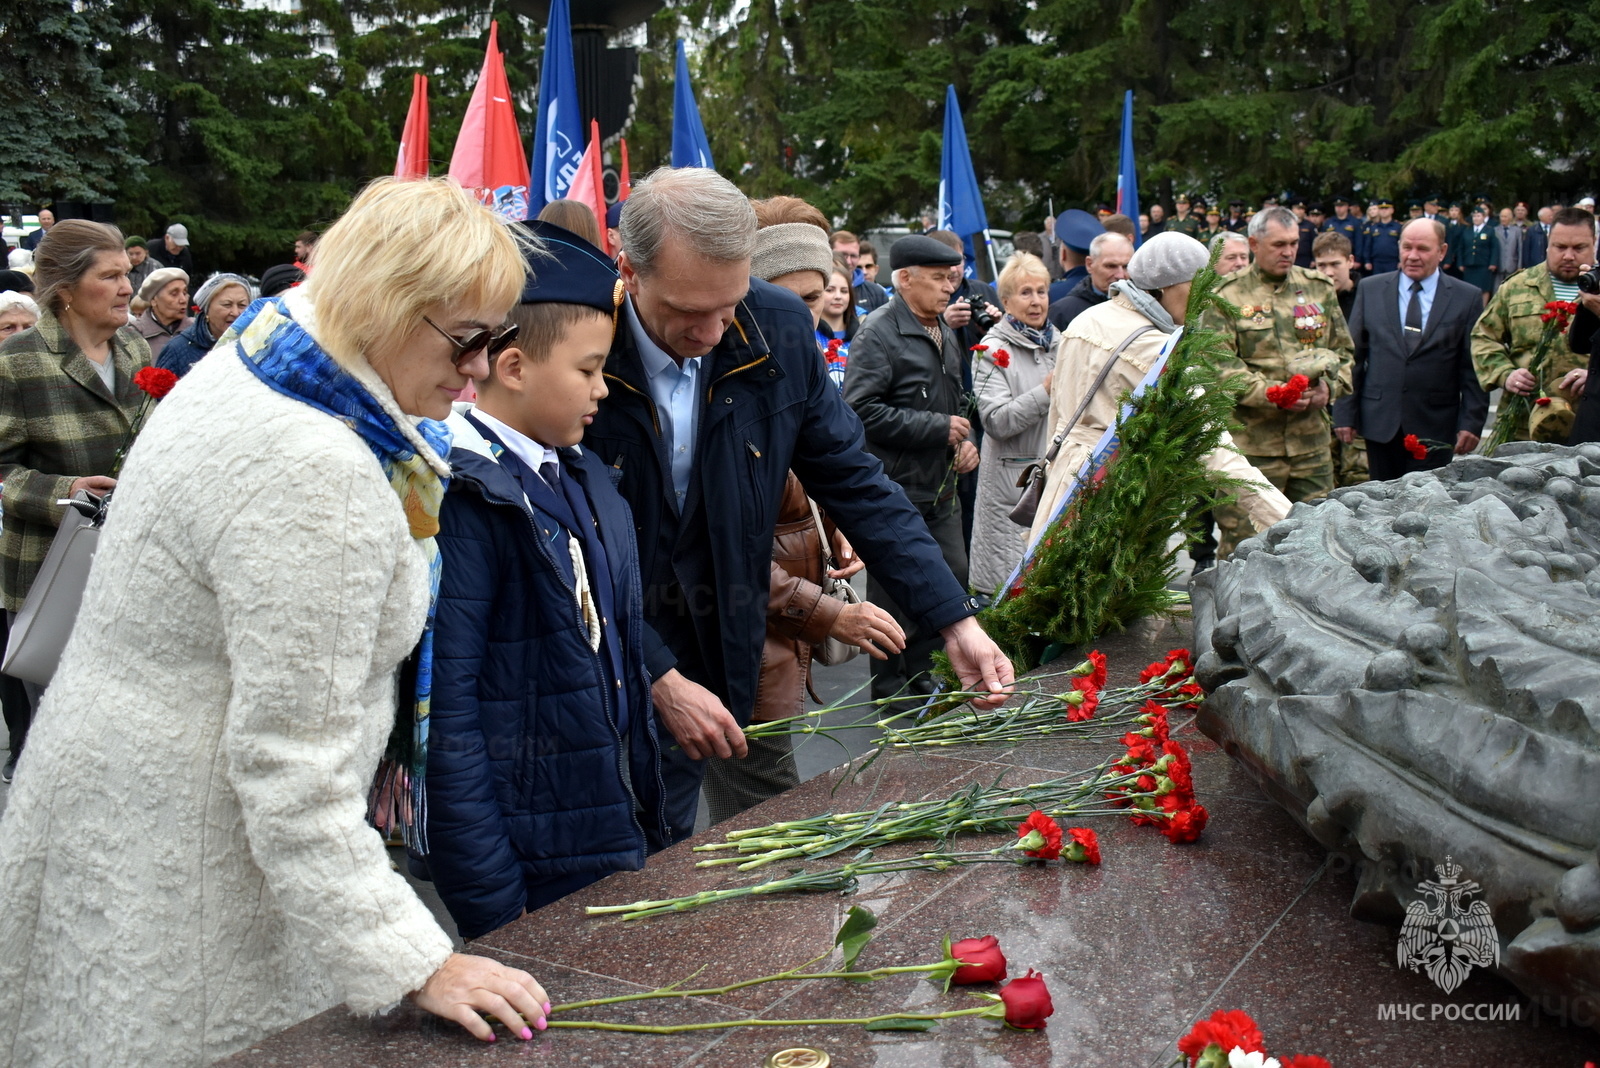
[[1075, 232], [904, 380], [539, 665]]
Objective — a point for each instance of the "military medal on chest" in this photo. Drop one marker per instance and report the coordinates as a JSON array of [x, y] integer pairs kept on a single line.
[[1256, 316], [1310, 322]]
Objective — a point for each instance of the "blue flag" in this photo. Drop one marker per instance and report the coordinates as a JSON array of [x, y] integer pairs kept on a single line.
[[689, 145], [1127, 180], [558, 133], [960, 203]]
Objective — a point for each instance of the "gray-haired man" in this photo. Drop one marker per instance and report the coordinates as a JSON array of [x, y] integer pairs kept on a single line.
[[717, 391]]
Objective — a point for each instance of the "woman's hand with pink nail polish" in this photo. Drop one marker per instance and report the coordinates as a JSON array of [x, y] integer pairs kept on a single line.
[[467, 985]]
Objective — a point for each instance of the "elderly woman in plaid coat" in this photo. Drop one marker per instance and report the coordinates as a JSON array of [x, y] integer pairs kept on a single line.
[[67, 398]]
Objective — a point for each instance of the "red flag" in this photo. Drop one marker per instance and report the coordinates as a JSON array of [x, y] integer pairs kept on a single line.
[[413, 159], [488, 159], [588, 186], [624, 185]]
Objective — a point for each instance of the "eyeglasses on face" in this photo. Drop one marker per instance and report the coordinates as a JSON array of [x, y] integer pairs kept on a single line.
[[475, 342]]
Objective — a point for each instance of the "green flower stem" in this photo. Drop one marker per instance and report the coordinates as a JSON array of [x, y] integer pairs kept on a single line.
[[794, 974], [975, 810], [994, 1009], [841, 878]]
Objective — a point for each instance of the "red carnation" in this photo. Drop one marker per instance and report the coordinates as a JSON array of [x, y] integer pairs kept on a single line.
[[979, 348], [1098, 675], [1084, 710], [1085, 847], [1192, 693], [156, 381], [1001, 358], [1181, 772], [984, 963], [1415, 447], [1180, 659], [1154, 670], [1230, 1030], [1027, 1001], [1311, 1060], [1154, 716], [1542, 402], [1185, 827], [1299, 382], [1048, 832]]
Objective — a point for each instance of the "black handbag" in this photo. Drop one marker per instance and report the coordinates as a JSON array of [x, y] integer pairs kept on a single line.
[[1032, 479]]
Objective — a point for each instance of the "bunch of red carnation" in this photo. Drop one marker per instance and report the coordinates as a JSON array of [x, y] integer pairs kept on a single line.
[[833, 355], [1559, 312], [1164, 770], [1415, 447], [1289, 394], [1210, 1041]]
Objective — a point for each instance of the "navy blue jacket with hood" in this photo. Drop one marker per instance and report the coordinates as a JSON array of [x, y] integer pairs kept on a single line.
[[531, 791], [767, 406]]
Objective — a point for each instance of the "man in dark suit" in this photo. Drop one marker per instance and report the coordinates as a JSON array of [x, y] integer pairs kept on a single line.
[[1536, 242], [1412, 330]]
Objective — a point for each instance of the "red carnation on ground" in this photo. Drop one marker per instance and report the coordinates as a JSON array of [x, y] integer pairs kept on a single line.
[[1098, 675], [1415, 447], [1085, 847], [1152, 671], [1042, 834], [1181, 772], [1230, 1030], [1084, 710], [1027, 1001], [984, 961], [1186, 826], [1311, 1060], [156, 381], [1192, 694], [1154, 715]]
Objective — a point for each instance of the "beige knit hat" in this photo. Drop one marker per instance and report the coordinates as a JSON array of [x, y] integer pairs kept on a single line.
[[790, 247], [159, 280]]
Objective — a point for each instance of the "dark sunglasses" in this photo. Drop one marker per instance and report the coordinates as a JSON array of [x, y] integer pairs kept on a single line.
[[476, 342]]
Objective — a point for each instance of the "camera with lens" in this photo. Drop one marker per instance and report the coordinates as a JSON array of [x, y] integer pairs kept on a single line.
[[980, 313], [1589, 281]]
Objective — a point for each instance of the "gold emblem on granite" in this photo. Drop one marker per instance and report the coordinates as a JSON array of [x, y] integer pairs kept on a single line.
[[799, 1057]]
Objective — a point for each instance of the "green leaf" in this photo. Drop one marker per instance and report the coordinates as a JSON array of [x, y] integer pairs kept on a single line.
[[902, 1025], [854, 935]]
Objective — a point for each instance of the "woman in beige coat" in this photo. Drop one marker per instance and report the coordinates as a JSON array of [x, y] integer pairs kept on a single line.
[[1014, 406], [1155, 294]]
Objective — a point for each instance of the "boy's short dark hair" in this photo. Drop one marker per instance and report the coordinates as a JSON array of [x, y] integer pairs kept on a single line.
[[868, 250], [1332, 241], [540, 327]]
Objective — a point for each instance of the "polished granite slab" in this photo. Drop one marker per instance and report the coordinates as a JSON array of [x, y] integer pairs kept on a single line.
[[1253, 917]]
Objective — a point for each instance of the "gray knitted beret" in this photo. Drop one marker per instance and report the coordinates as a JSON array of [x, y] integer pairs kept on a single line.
[[790, 247], [1167, 259]]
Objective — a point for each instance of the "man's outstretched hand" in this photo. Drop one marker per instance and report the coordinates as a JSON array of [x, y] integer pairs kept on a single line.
[[696, 719], [978, 662]]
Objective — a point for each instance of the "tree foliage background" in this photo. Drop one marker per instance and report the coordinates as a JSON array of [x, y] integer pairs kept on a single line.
[[251, 123]]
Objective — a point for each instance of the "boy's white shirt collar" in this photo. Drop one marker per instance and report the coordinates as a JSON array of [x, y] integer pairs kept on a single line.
[[466, 436]]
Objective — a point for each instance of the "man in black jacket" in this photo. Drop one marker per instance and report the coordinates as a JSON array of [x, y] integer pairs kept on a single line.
[[904, 381], [717, 390], [1412, 331], [1581, 339]]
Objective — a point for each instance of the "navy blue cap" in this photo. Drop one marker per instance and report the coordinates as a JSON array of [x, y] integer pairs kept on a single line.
[[614, 215], [573, 272], [1076, 229]]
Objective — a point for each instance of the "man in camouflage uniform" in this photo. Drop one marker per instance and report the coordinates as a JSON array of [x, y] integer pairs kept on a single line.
[[1289, 323], [1507, 335]]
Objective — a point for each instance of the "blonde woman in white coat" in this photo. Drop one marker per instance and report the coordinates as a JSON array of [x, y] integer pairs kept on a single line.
[[185, 860], [1014, 405]]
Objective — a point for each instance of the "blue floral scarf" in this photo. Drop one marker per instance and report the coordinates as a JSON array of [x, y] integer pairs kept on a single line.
[[284, 356]]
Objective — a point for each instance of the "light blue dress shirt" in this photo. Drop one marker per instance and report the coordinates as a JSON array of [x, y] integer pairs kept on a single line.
[[676, 392], [1430, 286]]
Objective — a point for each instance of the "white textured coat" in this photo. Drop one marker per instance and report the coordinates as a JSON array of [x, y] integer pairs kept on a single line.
[[185, 865]]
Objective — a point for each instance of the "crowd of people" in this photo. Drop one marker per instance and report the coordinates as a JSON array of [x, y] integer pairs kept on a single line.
[[597, 511]]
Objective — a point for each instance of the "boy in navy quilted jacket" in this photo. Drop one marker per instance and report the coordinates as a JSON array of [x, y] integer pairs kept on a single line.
[[543, 761]]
